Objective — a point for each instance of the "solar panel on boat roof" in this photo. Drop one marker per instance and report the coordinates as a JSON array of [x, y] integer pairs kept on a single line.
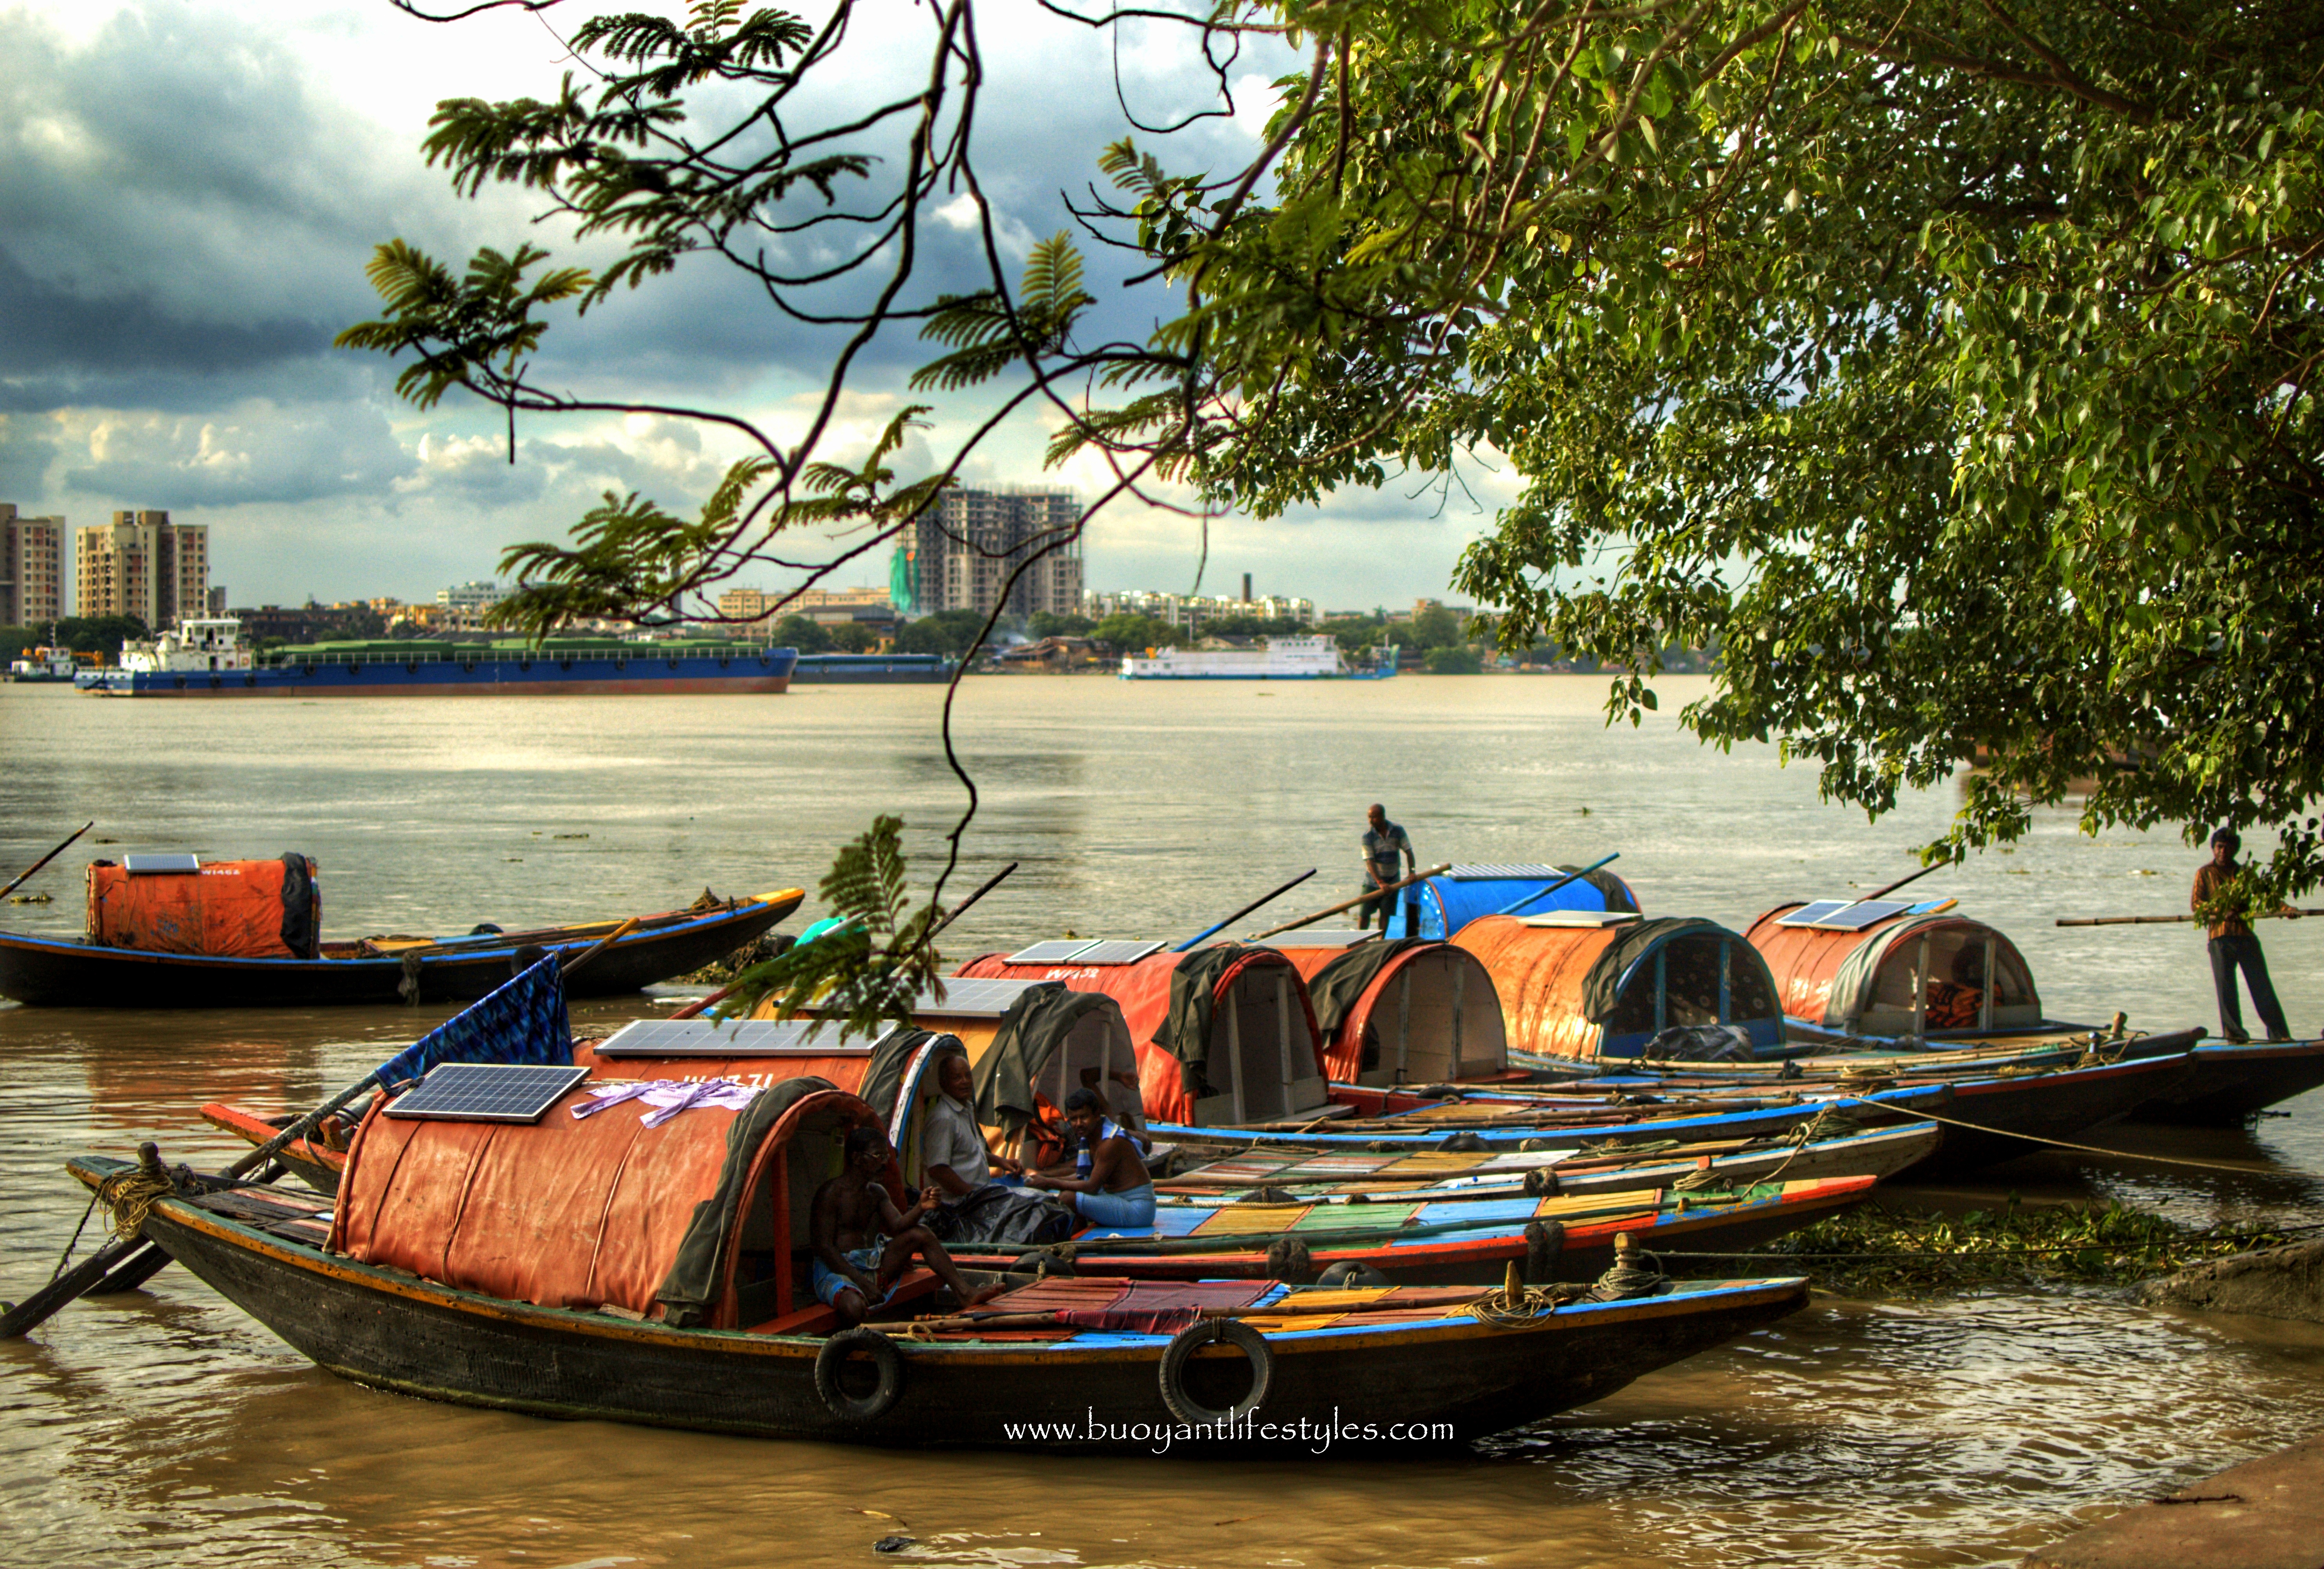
[[1325, 939], [1580, 917], [978, 998], [148, 865], [1496, 871], [1055, 951], [1122, 951], [486, 1091], [732, 1037], [1842, 915]]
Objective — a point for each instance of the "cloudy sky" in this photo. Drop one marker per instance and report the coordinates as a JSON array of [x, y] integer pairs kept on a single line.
[[188, 193]]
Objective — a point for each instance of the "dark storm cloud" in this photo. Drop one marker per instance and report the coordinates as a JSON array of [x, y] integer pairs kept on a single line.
[[54, 342]]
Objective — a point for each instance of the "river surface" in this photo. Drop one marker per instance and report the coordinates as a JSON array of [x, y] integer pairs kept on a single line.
[[165, 1428]]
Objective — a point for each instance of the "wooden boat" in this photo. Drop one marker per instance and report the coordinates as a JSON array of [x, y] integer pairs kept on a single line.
[[1342, 1176], [606, 1270], [1893, 979], [59, 972]]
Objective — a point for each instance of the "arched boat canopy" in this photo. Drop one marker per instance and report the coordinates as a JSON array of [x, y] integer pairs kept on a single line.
[[1223, 1035], [895, 1075], [1399, 1010], [1441, 905], [1915, 972], [702, 1221], [1051, 1041], [1611, 989]]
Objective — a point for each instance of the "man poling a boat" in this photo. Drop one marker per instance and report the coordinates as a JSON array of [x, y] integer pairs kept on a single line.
[[1117, 1190], [1383, 841], [863, 1243], [2233, 945]]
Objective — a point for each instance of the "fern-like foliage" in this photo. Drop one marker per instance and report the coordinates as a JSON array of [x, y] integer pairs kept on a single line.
[[474, 331], [862, 976], [979, 326]]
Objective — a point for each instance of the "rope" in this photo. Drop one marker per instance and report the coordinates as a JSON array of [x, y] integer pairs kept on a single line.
[[1625, 1280], [1513, 1306], [2094, 1149], [130, 1194], [65, 1258]]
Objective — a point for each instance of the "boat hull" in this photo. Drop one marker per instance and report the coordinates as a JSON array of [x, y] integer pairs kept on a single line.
[[392, 1331], [2231, 1082], [44, 971]]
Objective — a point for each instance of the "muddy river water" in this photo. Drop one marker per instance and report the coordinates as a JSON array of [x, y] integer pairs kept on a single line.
[[165, 1428]]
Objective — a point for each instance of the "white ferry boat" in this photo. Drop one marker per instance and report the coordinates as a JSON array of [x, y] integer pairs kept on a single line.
[[1282, 658]]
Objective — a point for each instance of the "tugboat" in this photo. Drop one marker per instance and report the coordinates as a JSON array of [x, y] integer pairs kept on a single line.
[[50, 662]]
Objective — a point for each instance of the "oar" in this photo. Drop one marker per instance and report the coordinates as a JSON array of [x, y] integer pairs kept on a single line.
[[1347, 903], [98, 1265], [2175, 919], [44, 859], [1912, 877], [1246, 910], [1553, 888]]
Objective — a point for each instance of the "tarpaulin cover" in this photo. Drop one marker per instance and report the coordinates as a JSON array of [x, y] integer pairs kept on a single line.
[[564, 1212], [1601, 992], [239, 910], [1539, 974], [1445, 905], [522, 1020], [1335, 985], [1169, 1023], [1031, 1032]]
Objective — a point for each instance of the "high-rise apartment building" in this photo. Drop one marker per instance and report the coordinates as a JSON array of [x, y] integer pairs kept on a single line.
[[140, 564], [964, 549], [32, 568]]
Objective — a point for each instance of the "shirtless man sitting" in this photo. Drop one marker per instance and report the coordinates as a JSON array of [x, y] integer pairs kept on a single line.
[[1119, 1191], [855, 1271]]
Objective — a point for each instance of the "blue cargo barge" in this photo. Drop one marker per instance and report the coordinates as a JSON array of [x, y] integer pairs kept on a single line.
[[207, 659]]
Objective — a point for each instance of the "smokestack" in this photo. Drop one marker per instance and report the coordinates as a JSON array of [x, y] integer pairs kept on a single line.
[[1245, 588]]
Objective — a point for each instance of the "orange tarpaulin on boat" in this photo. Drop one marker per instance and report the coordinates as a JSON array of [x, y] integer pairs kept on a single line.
[[603, 1210], [1429, 1012], [238, 909], [1263, 1048]]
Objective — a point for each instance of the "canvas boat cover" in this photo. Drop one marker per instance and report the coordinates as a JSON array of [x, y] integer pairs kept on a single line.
[[237, 910], [1601, 990], [1169, 1002], [1031, 1032], [1335, 988], [566, 1212]]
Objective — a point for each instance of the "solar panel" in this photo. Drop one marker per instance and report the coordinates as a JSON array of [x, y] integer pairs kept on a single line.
[[733, 1038], [1496, 871], [486, 1091], [1844, 914], [1323, 940], [148, 865], [1128, 951], [1581, 918], [1055, 951], [981, 999]]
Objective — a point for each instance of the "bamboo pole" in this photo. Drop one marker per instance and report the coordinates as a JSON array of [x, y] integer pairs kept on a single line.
[[2175, 919], [44, 859], [1312, 918], [1212, 931]]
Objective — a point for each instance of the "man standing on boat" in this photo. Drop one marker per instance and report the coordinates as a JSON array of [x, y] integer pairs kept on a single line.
[[2216, 902], [1383, 841]]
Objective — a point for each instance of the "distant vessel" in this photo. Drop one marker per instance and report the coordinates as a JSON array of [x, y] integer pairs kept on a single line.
[[51, 661], [861, 670], [208, 658], [1282, 658]]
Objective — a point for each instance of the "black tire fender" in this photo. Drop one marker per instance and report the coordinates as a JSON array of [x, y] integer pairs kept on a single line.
[[885, 1358], [1172, 1370]]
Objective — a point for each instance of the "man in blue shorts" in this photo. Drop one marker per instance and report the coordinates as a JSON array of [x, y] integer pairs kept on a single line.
[[1115, 1189], [863, 1243]]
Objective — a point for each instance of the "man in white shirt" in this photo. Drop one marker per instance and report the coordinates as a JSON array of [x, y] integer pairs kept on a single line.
[[954, 1160]]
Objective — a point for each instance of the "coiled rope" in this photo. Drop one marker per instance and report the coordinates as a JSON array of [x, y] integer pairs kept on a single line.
[[130, 1194]]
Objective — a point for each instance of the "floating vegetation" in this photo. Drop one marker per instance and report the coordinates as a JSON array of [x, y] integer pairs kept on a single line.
[[1873, 1251]]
